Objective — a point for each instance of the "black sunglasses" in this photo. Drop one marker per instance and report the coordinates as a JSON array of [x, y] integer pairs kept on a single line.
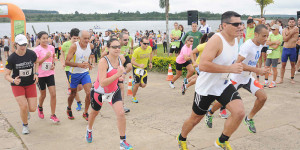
[[116, 47], [273, 29], [146, 43], [23, 44], [236, 24], [125, 39], [191, 41]]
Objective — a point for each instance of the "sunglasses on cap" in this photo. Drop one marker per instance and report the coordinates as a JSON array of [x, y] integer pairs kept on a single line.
[[236, 24], [146, 43], [116, 47]]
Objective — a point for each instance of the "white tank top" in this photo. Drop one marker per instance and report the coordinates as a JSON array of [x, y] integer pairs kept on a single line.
[[5, 42], [215, 83], [80, 56]]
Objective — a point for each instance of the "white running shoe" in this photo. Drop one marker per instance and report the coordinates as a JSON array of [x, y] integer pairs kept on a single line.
[[25, 130], [171, 85]]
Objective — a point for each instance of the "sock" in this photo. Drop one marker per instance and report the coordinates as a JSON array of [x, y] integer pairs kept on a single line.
[[181, 138], [122, 138], [68, 108], [40, 108], [223, 138], [25, 124], [172, 82], [79, 102], [292, 78], [248, 118], [210, 112], [87, 128]]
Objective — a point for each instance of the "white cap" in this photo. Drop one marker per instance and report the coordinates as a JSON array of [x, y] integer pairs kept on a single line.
[[21, 39]]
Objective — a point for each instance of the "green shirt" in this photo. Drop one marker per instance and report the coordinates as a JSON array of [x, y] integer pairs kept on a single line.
[[196, 35], [65, 48], [176, 33], [249, 33], [125, 50], [276, 52]]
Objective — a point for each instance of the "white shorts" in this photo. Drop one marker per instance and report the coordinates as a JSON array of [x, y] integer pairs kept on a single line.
[[252, 86]]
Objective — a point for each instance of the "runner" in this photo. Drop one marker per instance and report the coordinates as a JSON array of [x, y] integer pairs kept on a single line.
[[290, 37], [175, 43], [78, 60], [6, 47], [249, 56], [46, 58], [216, 62], [110, 71], [274, 42], [195, 34], [140, 58], [65, 50], [124, 38], [23, 64], [57, 44], [184, 60], [204, 28]]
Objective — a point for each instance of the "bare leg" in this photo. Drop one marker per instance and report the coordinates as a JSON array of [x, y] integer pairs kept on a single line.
[[87, 89], [190, 70], [178, 74], [93, 114], [42, 97], [52, 92], [215, 107], [190, 123], [282, 71], [293, 69], [274, 73], [259, 103], [118, 108], [135, 89], [236, 107]]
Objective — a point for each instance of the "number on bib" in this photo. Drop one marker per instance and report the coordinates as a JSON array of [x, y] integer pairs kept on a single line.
[[25, 72], [139, 71], [173, 46], [107, 97], [46, 66]]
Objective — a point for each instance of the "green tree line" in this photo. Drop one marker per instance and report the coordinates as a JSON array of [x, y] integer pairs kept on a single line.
[[117, 16]]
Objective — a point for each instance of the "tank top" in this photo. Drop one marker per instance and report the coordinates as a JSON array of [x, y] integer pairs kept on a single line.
[[215, 83], [80, 56], [112, 87], [5, 42]]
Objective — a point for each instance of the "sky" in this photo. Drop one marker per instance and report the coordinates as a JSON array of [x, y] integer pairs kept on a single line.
[[248, 7]]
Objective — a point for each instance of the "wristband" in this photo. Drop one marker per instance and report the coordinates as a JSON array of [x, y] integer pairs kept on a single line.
[[125, 73]]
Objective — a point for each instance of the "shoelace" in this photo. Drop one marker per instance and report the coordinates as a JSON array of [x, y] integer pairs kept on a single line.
[[124, 141], [90, 135]]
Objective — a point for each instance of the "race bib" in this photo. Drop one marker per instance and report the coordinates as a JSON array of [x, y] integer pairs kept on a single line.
[[139, 71], [269, 51], [46, 66], [173, 46], [225, 76], [107, 97], [25, 72]]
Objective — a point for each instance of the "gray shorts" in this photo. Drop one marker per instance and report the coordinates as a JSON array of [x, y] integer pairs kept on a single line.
[[270, 61]]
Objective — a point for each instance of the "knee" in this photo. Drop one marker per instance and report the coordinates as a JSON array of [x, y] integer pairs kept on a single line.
[[24, 108], [262, 99], [73, 93], [32, 109], [239, 114], [121, 114], [43, 94], [195, 119], [143, 85]]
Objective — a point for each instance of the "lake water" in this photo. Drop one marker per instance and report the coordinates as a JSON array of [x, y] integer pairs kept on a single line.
[[132, 26]]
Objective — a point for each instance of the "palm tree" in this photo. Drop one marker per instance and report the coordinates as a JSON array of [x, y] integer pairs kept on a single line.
[[165, 4], [263, 4]]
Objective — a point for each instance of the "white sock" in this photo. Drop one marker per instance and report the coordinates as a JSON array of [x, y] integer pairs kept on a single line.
[[248, 118], [121, 140], [87, 128]]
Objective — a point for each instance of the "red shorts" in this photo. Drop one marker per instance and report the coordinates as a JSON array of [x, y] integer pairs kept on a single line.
[[29, 91]]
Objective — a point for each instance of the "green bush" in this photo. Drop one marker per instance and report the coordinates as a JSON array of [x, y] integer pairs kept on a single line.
[[161, 64]]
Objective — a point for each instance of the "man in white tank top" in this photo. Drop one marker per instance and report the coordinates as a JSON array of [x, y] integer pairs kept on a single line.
[[249, 55], [217, 61], [78, 60]]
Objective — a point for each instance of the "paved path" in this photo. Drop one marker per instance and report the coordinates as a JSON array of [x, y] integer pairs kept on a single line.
[[154, 122]]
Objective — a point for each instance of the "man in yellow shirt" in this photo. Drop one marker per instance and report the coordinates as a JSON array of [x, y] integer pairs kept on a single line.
[[140, 58]]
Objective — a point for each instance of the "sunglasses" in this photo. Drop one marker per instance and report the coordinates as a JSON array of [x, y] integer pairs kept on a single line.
[[272, 29], [125, 39], [116, 47], [146, 43], [23, 44], [236, 24], [191, 41]]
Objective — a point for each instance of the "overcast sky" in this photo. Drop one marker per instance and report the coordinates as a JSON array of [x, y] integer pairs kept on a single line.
[[104, 6]]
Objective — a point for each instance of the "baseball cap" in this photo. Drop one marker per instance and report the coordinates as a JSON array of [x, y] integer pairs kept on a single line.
[[203, 19], [250, 21], [275, 26], [21, 39]]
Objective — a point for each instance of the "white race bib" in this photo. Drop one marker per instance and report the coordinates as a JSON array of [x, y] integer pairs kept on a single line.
[[107, 97], [269, 51], [139, 71], [173, 46], [225, 76], [25, 72], [46, 66]]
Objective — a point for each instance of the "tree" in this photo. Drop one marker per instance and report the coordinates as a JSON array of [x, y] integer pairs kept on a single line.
[[165, 4], [76, 12], [262, 4]]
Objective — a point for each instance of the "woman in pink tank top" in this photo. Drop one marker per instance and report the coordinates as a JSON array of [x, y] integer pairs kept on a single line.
[[110, 71]]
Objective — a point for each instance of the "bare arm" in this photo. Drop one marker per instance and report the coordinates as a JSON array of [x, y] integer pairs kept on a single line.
[[135, 63], [211, 51], [287, 35]]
